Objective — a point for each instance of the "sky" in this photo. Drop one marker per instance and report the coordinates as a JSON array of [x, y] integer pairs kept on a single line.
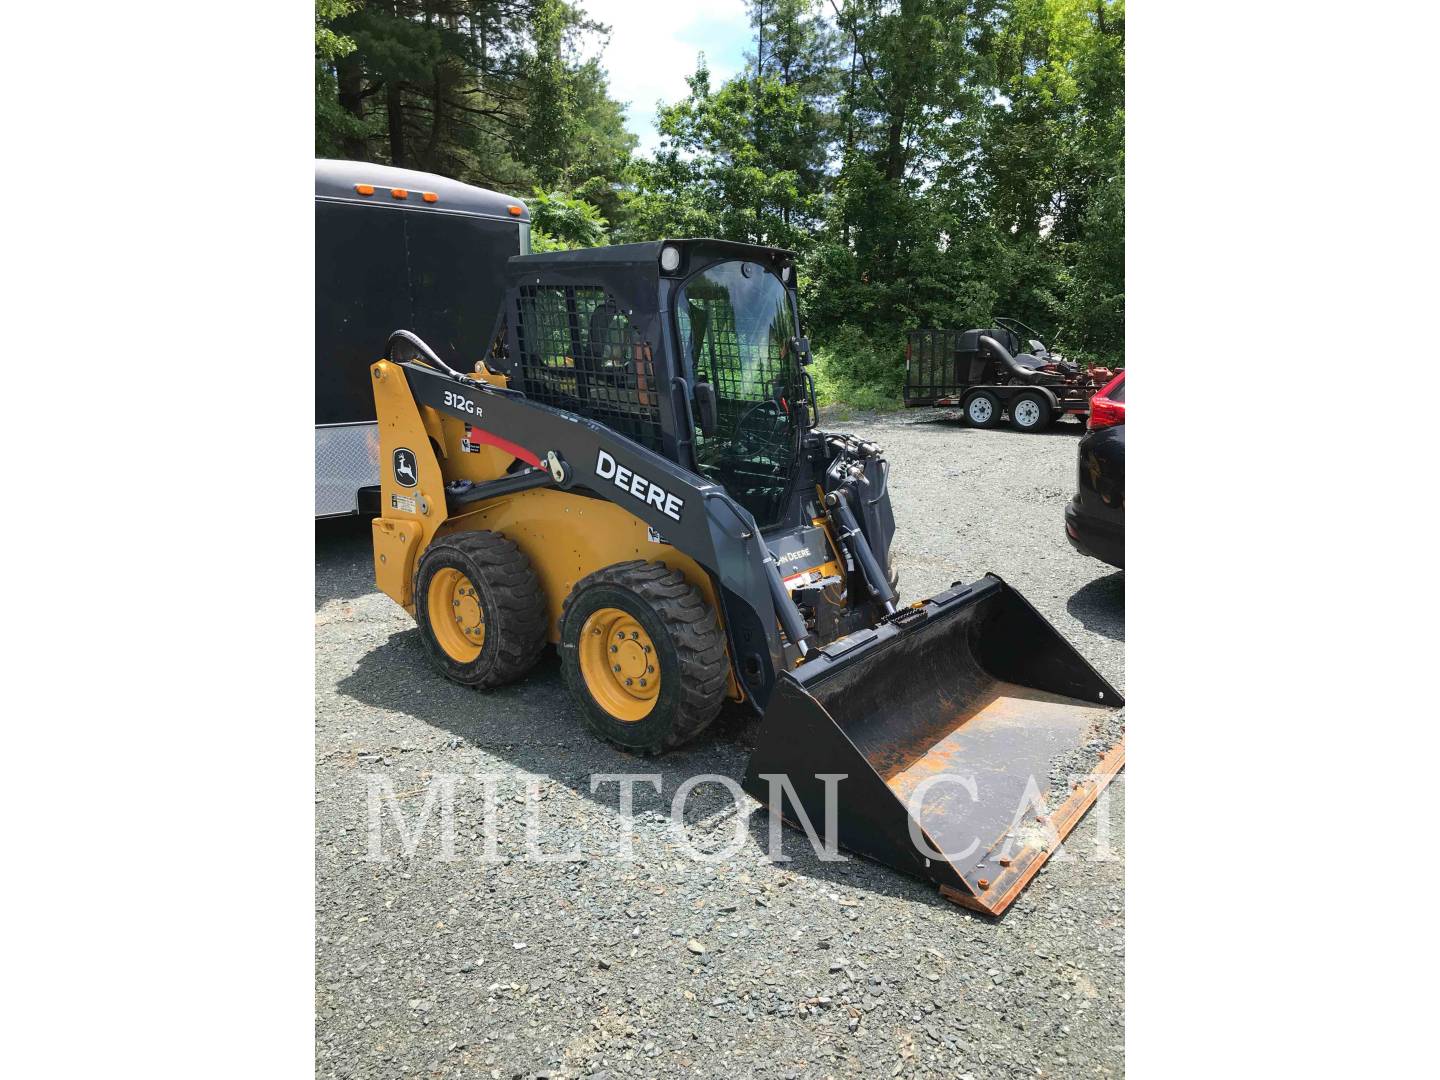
[[653, 47]]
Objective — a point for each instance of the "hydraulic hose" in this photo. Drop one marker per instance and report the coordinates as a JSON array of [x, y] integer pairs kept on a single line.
[[424, 350]]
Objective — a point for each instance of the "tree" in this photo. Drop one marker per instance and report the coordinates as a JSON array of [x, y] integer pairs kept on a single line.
[[560, 222], [749, 160], [336, 128], [487, 91], [935, 162], [1053, 168]]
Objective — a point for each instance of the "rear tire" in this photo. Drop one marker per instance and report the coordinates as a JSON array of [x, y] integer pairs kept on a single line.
[[480, 609], [982, 409], [635, 616], [1030, 411]]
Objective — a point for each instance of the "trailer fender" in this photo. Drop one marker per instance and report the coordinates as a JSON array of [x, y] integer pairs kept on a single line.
[[1010, 391]]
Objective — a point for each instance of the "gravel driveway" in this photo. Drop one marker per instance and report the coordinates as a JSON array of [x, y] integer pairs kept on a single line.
[[665, 965]]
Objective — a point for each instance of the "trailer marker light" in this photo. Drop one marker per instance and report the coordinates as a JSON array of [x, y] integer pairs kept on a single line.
[[399, 193], [365, 189], [516, 211], [429, 196]]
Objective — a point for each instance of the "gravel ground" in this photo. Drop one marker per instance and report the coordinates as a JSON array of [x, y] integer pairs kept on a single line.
[[668, 966]]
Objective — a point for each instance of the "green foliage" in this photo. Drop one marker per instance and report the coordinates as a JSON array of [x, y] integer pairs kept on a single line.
[[560, 222], [850, 368], [333, 124], [980, 173], [550, 97], [935, 162], [330, 45], [491, 92], [748, 161]]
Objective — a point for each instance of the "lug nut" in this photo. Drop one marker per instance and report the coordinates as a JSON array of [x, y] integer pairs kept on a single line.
[[642, 682], [629, 682], [649, 669], [635, 634], [614, 648], [615, 668], [646, 648]]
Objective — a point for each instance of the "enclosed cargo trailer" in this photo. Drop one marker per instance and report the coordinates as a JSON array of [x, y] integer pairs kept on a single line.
[[395, 247]]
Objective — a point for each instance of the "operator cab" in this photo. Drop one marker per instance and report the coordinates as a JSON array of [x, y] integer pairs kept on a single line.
[[691, 348]]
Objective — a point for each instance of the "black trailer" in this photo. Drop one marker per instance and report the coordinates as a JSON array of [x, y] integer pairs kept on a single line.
[[989, 373], [395, 247]]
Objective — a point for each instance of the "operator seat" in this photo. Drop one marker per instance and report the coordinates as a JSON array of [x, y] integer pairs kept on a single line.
[[1023, 368]]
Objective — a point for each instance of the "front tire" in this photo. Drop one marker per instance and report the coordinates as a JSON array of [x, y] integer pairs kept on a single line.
[[480, 609], [644, 655], [982, 410], [1030, 411]]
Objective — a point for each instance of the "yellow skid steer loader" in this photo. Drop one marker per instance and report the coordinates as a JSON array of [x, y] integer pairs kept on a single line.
[[634, 474]]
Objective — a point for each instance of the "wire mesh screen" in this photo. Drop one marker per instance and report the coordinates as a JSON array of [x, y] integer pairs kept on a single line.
[[736, 328], [578, 350], [745, 374]]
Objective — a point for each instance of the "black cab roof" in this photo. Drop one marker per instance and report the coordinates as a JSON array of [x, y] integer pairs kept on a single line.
[[648, 254]]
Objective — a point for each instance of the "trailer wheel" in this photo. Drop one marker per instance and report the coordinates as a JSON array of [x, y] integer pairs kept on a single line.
[[983, 409], [480, 609], [1030, 411], [644, 654]]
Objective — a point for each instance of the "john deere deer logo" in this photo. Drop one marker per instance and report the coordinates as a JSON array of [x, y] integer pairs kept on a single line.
[[404, 467]]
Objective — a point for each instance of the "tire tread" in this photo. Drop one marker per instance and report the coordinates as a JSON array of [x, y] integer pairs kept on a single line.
[[698, 639], [517, 597]]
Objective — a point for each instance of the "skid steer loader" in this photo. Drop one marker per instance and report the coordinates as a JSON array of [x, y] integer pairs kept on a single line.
[[634, 474]]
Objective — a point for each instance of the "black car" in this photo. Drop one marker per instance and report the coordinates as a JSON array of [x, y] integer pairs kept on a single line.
[[1095, 517]]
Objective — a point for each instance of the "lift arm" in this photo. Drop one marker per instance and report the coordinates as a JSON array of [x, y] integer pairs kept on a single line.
[[697, 517]]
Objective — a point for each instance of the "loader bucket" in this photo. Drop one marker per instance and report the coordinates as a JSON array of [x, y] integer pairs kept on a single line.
[[960, 725]]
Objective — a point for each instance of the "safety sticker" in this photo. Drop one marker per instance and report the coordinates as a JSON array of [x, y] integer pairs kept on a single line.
[[405, 503], [654, 535], [471, 443]]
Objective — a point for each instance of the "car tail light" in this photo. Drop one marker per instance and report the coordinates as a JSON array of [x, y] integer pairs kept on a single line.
[[1105, 413]]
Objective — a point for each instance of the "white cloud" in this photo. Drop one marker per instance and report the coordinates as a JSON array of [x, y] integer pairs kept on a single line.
[[653, 46]]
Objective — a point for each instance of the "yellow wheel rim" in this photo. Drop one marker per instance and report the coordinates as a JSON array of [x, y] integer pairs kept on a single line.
[[456, 615], [620, 665]]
